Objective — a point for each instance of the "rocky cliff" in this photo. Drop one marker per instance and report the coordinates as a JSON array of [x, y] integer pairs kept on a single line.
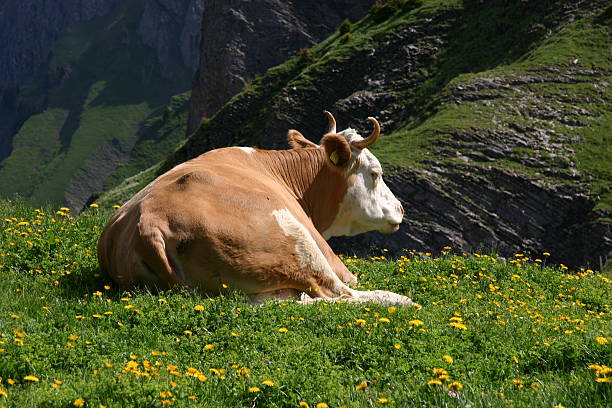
[[495, 118], [78, 80], [242, 39]]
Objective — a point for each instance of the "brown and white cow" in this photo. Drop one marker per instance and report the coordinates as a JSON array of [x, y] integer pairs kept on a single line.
[[256, 221]]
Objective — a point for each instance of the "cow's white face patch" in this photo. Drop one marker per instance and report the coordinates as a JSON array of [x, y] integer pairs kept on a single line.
[[248, 150], [368, 203]]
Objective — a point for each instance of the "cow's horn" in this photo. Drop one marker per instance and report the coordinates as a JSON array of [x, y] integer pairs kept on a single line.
[[362, 144], [332, 122]]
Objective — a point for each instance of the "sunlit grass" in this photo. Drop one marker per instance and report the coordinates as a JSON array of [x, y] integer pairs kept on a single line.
[[491, 332]]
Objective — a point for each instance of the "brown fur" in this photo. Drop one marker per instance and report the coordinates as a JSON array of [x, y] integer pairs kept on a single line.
[[221, 204], [296, 140]]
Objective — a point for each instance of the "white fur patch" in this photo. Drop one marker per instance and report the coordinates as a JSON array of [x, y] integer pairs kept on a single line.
[[309, 254], [247, 150]]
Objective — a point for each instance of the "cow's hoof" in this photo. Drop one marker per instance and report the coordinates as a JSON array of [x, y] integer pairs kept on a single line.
[[390, 298]]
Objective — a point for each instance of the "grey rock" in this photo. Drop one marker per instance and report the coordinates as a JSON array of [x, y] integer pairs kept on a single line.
[[241, 39]]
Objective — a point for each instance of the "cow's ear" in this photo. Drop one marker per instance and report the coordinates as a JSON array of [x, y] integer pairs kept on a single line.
[[337, 149], [297, 140]]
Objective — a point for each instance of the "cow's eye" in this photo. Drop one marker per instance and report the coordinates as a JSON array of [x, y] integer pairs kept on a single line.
[[375, 175]]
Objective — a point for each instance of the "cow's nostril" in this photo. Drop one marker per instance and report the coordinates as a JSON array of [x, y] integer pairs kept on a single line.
[[401, 208]]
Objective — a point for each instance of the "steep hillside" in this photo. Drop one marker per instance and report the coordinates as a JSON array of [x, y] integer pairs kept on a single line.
[[102, 78], [242, 39], [496, 121]]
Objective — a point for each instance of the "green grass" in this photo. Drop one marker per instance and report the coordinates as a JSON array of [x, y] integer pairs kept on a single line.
[[527, 334]]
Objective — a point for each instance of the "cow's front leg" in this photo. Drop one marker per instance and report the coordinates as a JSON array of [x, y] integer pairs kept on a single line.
[[335, 262], [342, 271]]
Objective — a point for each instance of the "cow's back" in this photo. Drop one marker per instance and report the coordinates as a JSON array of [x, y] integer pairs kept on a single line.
[[208, 223]]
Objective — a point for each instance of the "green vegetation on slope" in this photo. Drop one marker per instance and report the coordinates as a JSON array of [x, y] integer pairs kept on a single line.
[[161, 135], [539, 67], [105, 83], [490, 332]]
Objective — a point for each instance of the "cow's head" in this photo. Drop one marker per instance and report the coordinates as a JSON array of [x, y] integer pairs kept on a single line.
[[368, 203]]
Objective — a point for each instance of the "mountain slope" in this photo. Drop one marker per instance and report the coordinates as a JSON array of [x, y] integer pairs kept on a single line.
[[102, 79], [496, 121]]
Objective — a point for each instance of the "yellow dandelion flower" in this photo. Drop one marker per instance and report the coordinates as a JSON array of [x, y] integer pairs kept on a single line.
[[361, 386], [209, 347], [32, 378], [604, 380], [415, 323], [439, 371], [515, 359], [322, 405], [459, 325], [79, 402], [383, 400], [94, 205], [455, 386], [448, 359], [397, 346], [601, 340], [391, 309], [268, 383], [518, 383], [304, 404], [434, 382], [198, 307], [3, 393], [283, 330], [188, 332], [384, 320], [254, 389], [243, 372]]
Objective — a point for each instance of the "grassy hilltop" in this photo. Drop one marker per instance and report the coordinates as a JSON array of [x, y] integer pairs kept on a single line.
[[490, 332]]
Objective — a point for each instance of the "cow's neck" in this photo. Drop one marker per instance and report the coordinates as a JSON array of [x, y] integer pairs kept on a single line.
[[309, 177]]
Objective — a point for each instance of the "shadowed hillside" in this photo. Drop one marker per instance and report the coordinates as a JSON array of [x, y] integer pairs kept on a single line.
[[102, 70]]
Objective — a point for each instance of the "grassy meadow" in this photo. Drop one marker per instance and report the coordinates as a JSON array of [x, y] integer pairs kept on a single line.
[[490, 332]]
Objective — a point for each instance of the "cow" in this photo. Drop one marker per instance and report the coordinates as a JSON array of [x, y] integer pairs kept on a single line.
[[256, 221]]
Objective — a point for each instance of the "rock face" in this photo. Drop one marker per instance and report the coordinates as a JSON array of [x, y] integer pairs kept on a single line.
[[168, 23], [242, 39], [496, 166]]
